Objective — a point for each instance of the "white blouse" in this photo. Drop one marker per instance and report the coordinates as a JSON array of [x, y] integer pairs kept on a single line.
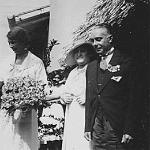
[[32, 66]]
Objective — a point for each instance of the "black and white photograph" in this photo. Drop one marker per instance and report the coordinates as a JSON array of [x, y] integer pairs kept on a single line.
[[74, 75]]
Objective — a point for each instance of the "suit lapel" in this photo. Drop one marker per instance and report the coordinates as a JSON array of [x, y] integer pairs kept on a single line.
[[115, 58], [92, 76], [105, 76]]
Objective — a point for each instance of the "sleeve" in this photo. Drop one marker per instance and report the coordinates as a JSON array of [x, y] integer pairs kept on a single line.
[[42, 76], [88, 104], [68, 81], [91, 103], [41, 73]]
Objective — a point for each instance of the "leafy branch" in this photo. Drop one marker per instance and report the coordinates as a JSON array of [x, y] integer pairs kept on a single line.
[[48, 50]]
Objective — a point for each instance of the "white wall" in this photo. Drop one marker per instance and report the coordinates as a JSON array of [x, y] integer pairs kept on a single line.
[[66, 16]]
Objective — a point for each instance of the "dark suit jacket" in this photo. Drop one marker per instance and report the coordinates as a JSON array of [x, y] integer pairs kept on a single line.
[[116, 98]]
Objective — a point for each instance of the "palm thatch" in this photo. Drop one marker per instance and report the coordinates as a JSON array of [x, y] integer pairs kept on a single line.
[[104, 11]]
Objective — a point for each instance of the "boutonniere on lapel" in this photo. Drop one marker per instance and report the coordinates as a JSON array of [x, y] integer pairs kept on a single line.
[[109, 67], [113, 68]]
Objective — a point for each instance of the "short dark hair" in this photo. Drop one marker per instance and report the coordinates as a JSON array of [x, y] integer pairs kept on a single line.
[[18, 34], [107, 26]]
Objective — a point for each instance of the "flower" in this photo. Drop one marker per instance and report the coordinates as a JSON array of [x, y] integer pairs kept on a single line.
[[17, 114], [50, 128], [109, 67], [22, 93], [113, 68], [51, 124]]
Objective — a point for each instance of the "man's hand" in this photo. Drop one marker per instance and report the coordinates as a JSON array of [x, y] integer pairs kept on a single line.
[[126, 138], [87, 135]]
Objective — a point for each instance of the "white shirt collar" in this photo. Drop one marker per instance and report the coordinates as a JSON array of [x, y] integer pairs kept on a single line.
[[108, 58]]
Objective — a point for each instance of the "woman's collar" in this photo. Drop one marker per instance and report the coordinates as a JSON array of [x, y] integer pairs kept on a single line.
[[25, 63]]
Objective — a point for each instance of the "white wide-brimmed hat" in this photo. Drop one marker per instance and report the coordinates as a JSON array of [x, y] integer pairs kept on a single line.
[[69, 60]]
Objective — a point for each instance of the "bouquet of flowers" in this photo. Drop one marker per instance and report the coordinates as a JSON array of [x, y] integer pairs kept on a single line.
[[22, 93], [51, 123]]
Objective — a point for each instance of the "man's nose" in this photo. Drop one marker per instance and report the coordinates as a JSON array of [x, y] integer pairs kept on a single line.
[[79, 53], [11, 45], [95, 42]]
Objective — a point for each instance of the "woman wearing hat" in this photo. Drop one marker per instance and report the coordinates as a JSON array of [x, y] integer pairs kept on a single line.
[[73, 96]]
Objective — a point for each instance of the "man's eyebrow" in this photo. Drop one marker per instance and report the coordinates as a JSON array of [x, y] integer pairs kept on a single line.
[[99, 37]]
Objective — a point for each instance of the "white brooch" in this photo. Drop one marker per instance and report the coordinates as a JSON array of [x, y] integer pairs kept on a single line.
[[113, 68]]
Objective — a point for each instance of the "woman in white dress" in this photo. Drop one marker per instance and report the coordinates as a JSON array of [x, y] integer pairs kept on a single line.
[[73, 96], [21, 134]]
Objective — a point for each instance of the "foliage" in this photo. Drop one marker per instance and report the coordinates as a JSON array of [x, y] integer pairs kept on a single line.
[[48, 50], [105, 11], [58, 77], [51, 122]]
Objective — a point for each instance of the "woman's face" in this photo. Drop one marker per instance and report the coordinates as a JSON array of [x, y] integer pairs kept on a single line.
[[81, 57], [16, 46]]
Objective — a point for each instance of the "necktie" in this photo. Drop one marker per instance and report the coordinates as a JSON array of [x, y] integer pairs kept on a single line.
[[103, 64]]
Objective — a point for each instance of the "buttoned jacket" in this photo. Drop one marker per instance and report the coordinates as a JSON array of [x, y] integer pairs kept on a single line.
[[113, 90]]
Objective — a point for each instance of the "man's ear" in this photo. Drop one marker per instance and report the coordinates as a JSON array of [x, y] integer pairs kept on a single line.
[[110, 38]]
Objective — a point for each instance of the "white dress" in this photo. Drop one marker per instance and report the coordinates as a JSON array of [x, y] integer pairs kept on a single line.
[[75, 113], [22, 134]]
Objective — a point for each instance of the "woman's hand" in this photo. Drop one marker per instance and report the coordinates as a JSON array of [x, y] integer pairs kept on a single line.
[[67, 97], [81, 100]]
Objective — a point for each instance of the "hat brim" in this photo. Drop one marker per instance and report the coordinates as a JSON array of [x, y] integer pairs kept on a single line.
[[70, 61]]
